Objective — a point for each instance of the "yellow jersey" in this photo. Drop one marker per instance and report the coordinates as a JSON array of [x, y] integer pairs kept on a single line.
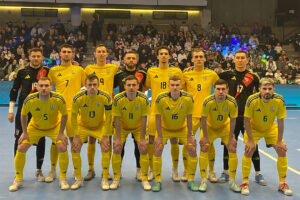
[[262, 115], [173, 113], [88, 111], [46, 115], [158, 80], [130, 112], [68, 80], [105, 74], [199, 85], [218, 113]]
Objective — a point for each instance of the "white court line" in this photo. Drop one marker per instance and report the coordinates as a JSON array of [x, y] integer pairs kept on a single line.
[[273, 158]]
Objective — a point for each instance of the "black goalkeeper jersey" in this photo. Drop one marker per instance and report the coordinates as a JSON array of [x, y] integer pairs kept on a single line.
[[241, 86], [123, 73], [26, 82]]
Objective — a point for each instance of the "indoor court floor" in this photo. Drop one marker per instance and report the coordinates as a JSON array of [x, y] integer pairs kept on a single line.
[[130, 189]]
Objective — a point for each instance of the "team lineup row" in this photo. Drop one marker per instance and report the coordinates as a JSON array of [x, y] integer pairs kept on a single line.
[[174, 114]]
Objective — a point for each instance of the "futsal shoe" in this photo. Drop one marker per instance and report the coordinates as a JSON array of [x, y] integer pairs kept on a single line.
[[77, 184], [175, 176], [63, 184], [203, 185], [90, 175], [146, 185], [245, 189], [212, 177], [284, 188], [51, 176], [192, 186], [17, 184], [156, 187], [39, 175], [115, 184], [234, 187], [138, 174], [259, 179], [104, 184], [184, 177]]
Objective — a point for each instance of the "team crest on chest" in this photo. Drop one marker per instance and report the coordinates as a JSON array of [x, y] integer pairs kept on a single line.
[[51, 107], [272, 109], [205, 78], [191, 79], [137, 107], [98, 104], [181, 106], [108, 71], [73, 72], [225, 108], [155, 76]]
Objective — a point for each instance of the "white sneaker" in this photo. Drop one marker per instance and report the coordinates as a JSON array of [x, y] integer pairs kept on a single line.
[[77, 184], [90, 175], [104, 184], [138, 174], [184, 177], [175, 176], [39, 175], [17, 184], [115, 184], [63, 184], [146, 185], [51, 176], [203, 185], [212, 177], [150, 174], [284, 188], [245, 189]]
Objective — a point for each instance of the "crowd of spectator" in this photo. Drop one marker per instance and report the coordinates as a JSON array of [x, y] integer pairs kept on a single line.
[[267, 57]]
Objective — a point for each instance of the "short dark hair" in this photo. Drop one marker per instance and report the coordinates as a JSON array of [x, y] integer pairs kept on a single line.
[[132, 52], [221, 82], [91, 77], [242, 51], [100, 45], [131, 77], [174, 78], [65, 46], [35, 49], [162, 47]]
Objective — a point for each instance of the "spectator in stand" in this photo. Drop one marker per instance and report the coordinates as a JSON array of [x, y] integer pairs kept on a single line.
[[36, 30], [269, 51], [95, 29], [83, 27], [13, 74], [286, 72], [109, 44], [254, 41], [259, 70], [269, 73], [296, 74], [271, 64], [235, 30], [53, 57], [143, 56], [280, 63], [277, 76], [219, 69], [181, 56]]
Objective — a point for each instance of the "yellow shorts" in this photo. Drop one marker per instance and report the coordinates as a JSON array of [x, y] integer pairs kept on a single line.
[[196, 124], [152, 125], [85, 132], [69, 129], [180, 134], [135, 132], [270, 135], [213, 134], [35, 135]]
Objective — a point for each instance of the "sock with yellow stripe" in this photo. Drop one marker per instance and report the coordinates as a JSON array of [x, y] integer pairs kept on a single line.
[[175, 155], [91, 149], [192, 166], [105, 164], [76, 158], [63, 164], [211, 158], [282, 165], [246, 167], [157, 164], [233, 163], [20, 159], [150, 154], [116, 165], [185, 155], [203, 162], [144, 163], [53, 156]]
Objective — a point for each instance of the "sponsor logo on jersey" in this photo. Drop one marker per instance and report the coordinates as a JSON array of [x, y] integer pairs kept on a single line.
[[225, 108], [233, 78], [205, 78], [168, 108], [27, 77], [156, 76], [73, 72], [258, 110], [98, 104], [59, 74], [85, 106], [37, 109], [214, 109], [272, 109], [108, 71], [124, 108], [181, 106], [137, 107]]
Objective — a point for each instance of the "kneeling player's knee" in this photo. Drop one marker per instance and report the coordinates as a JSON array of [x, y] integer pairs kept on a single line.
[[23, 147], [281, 152], [61, 147]]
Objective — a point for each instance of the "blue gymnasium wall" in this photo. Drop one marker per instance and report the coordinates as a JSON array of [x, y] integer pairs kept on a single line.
[[291, 94]]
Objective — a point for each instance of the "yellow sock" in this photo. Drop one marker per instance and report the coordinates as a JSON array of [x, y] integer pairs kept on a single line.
[[53, 156], [63, 164], [192, 166], [246, 167], [157, 164], [185, 155], [116, 165], [282, 165], [150, 154], [203, 162], [76, 158], [91, 149], [211, 158], [144, 162], [105, 164], [232, 163], [20, 159], [175, 155]]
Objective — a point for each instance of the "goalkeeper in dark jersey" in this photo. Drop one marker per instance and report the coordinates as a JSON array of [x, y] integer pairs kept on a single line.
[[24, 84]]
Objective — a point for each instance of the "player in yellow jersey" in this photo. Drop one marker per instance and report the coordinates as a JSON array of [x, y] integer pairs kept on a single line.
[[105, 72], [158, 81], [130, 111], [218, 120], [198, 82], [259, 119], [49, 116], [174, 121], [68, 80], [91, 116]]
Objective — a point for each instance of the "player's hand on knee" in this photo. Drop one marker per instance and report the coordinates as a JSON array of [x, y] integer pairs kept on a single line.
[[231, 145], [76, 144], [22, 138], [143, 146], [250, 147], [281, 148], [11, 117], [104, 143], [117, 146], [204, 143], [63, 138], [158, 144]]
